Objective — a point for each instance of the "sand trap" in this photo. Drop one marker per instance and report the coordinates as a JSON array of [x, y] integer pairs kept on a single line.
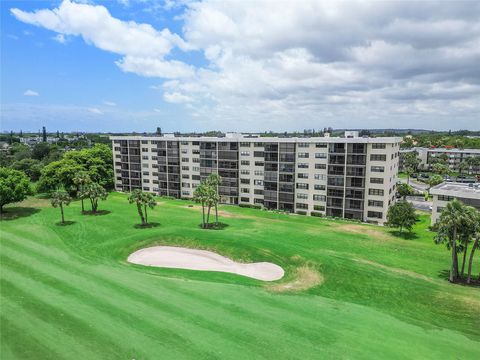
[[183, 258]]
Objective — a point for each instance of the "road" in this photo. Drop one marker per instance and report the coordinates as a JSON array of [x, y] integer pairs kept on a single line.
[[419, 203], [416, 185]]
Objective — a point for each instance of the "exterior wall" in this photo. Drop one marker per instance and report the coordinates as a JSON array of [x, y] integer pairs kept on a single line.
[[444, 193], [344, 177]]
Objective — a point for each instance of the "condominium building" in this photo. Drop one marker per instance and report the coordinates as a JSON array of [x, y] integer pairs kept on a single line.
[[454, 157], [469, 194], [349, 177]]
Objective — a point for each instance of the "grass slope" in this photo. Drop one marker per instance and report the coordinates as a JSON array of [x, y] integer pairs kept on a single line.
[[67, 292]]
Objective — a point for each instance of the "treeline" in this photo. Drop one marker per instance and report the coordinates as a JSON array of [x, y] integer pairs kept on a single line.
[[441, 140]]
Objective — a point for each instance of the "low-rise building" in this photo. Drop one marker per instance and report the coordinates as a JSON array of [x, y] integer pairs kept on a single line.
[[469, 194], [454, 157], [350, 177]]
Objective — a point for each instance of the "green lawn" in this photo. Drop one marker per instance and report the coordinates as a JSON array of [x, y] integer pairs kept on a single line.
[[67, 291]]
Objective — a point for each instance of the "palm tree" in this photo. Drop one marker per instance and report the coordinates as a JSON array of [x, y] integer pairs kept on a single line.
[[476, 245], [145, 200], [200, 195], [214, 180], [450, 223], [59, 199], [81, 180]]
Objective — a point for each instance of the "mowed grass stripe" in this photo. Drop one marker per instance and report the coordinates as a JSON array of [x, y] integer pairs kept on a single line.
[[20, 342], [174, 315], [20, 309], [114, 333], [243, 332]]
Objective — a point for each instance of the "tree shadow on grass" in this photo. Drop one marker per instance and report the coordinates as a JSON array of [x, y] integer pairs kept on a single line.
[[65, 223], [475, 282], [212, 226], [146, 226], [13, 213], [96, 213], [407, 235]]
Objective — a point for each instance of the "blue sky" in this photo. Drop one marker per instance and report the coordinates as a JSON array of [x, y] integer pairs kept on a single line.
[[133, 65]]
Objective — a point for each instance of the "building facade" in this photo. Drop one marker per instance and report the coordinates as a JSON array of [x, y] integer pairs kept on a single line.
[[469, 194], [350, 177], [454, 157]]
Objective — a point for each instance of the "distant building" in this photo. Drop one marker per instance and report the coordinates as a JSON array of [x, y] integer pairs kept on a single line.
[[349, 177], [469, 194], [427, 157]]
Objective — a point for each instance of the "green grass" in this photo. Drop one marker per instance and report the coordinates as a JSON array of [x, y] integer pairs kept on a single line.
[[67, 291]]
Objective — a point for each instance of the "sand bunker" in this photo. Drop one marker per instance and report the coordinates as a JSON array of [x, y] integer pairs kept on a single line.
[[182, 258]]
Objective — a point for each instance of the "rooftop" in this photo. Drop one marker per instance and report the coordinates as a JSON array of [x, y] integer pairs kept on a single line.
[[471, 191]]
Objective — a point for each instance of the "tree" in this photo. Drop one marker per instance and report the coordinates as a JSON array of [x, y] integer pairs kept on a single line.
[[411, 163], [434, 180], [466, 232], [451, 220], [59, 174], [40, 151], [214, 180], [94, 192], [463, 166], [404, 190], [475, 246], [31, 167], [401, 215], [14, 186], [200, 195], [61, 199], [142, 199], [440, 169], [81, 180]]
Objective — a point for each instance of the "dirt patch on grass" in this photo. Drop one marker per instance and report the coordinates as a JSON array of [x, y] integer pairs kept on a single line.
[[396, 270], [34, 202], [221, 213], [363, 230], [305, 278]]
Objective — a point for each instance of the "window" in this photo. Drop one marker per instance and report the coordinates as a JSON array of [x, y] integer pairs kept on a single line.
[[302, 165], [185, 168], [244, 199], [320, 145], [379, 146], [195, 160], [145, 157], [195, 168], [376, 180], [377, 169], [258, 173], [302, 196], [302, 186], [185, 184], [319, 198], [375, 203], [302, 176], [185, 176], [196, 177], [319, 187], [245, 144], [303, 155], [258, 182], [259, 154], [303, 145], [245, 190], [302, 206], [245, 153], [146, 181], [146, 173], [183, 142], [146, 188], [378, 157], [320, 177], [320, 166], [245, 172], [319, 207], [445, 198], [245, 162], [144, 149], [375, 214], [184, 151], [258, 144], [144, 142], [244, 181], [145, 165], [185, 193], [320, 155], [376, 192], [259, 163], [185, 160]]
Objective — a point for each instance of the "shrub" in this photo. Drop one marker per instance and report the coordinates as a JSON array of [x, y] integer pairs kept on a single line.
[[316, 213], [301, 212], [251, 206]]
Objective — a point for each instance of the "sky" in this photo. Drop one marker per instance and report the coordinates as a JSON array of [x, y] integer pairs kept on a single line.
[[135, 65]]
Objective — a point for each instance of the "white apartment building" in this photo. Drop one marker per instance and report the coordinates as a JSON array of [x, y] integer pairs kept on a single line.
[[349, 177], [469, 194]]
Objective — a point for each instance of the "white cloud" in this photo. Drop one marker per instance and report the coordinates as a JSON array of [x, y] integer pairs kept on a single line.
[[95, 110], [60, 38], [110, 103], [31, 93], [176, 98], [339, 63]]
